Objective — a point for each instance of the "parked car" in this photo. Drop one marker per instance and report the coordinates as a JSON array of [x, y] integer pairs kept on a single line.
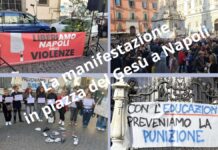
[[15, 21], [61, 25]]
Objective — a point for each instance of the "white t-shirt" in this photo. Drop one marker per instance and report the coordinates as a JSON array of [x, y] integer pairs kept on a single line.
[[88, 103]]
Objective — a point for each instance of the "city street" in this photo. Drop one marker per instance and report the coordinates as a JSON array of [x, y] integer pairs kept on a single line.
[[59, 66], [22, 136]]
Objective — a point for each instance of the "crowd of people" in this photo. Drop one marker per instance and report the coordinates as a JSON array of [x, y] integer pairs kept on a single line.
[[12, 102], [201, 58]]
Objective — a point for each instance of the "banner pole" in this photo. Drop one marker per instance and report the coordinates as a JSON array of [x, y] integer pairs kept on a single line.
[[90, 32]]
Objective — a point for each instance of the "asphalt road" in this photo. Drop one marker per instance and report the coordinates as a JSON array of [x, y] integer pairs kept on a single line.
[[22, 136]]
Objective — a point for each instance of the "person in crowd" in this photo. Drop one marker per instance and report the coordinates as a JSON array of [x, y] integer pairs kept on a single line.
[[7, 108], [172, 63], [200, 62], [101, 123], [181, 61], [187, 62], [213, 68], [28, 94], [41, 100], [74, 108], [88, 106], [52, 96], [63, 109], [17, 103]]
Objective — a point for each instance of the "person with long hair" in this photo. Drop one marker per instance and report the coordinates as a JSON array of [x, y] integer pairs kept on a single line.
[[29, 100]]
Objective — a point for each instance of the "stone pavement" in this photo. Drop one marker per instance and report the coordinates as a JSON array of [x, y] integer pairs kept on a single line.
[[22, 136], [59, 66]]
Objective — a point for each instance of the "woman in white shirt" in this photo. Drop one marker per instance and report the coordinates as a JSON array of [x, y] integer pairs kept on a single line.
[[88, 107]]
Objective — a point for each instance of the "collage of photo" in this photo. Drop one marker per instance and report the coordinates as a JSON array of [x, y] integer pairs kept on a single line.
[[108, 74]]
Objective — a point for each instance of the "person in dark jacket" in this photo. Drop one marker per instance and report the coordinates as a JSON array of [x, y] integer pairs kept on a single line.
[[63, 109], [16, 103], [52, 95], [7, 108]]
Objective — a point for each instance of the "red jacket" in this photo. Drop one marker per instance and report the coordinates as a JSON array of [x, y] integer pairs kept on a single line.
[[181, 57], [59, 98]]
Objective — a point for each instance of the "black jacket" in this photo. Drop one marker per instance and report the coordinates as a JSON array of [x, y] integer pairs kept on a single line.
[[5, 104], [16, 104], [52, 96]]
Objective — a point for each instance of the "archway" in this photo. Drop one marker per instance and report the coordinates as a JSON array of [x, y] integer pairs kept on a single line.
[[132, 30]]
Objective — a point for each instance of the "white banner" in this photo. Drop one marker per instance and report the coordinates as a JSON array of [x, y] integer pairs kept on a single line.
[[172, 124]]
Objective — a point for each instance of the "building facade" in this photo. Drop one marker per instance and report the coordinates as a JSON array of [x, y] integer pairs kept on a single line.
[[168, 15], [132, 15], [198, 13], [45, 10]]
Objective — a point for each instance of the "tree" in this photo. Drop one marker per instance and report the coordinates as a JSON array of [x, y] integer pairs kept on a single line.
[[79, 8]]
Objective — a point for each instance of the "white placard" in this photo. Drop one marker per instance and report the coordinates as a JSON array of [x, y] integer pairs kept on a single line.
[[18, 97], [51, 101], [41, 100], [1, 98], [30, 100], [65, 100], [172, 124], [8, 99]]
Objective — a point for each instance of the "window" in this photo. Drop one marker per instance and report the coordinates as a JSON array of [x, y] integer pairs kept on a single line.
[[144, 4], [118, 15], [10, 4], [118, 2], [154, 5], [145, 17], [27, 19], [132, 16], [12, 18], [131, 3], [43, 2], [119, 28]]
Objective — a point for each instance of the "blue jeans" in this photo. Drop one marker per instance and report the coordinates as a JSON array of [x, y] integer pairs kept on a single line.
[[101, 122], [87, 113]]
